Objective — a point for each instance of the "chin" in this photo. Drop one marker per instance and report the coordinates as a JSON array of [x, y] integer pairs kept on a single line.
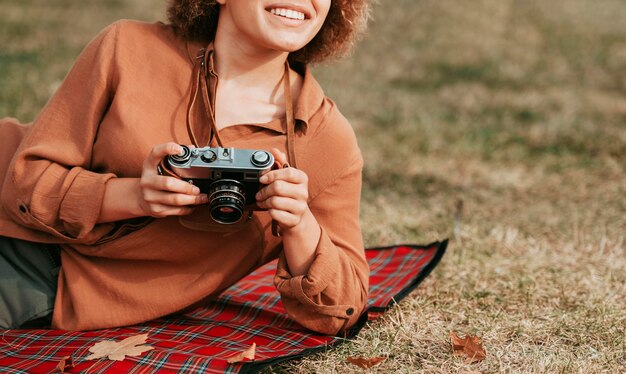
[[290, 48], [290, 44]]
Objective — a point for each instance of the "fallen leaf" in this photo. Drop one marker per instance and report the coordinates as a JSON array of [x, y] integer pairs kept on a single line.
[[471, 347], [65, 363], [242, 356], [365, 363], [117, 351]]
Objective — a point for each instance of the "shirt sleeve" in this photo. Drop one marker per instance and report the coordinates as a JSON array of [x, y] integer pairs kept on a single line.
[[49, 186], [332, 295]]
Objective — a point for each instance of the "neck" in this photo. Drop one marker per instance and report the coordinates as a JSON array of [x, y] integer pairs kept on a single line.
[[238, 61]]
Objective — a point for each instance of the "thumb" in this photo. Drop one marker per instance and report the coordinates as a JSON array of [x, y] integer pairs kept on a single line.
[[280, 157], [160, 151]]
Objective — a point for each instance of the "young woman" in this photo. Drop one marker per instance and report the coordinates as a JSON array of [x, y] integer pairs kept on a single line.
[[93, 236]]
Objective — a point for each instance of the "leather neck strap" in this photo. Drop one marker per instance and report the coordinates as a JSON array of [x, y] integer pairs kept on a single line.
[[200, 86], [291, 120]]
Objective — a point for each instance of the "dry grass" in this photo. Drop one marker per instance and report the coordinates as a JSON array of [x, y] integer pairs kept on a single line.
[[517, 109]]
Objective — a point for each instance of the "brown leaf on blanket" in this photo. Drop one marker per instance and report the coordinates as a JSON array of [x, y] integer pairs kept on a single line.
[[117, 351], [365, 363], [65, 363], [248, 354], [471, 347]]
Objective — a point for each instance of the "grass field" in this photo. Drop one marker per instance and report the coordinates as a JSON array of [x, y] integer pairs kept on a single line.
[[500, 124]]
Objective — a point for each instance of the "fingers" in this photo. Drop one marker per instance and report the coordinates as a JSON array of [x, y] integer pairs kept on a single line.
[[169, 184], [173, 199], [279, 156], [159, 152], [286, 193], [285, 219], [160, 210], [284, 203], [291, 175], [297, 191], [288, 182], [151, 180], [164, 195]]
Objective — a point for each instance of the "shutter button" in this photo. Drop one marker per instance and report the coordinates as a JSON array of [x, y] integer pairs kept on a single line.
[[350, 311]]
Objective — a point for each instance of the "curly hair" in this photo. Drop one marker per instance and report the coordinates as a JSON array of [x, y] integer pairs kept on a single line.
[[197, 20]]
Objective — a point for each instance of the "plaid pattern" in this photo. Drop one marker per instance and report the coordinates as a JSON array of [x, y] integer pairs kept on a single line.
[[201, 341]]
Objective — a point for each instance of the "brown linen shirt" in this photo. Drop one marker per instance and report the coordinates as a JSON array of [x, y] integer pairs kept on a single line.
[[127, 92]]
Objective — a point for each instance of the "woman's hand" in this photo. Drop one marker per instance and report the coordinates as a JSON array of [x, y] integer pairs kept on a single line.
[[160, 195], [285, 195], [151, 195]]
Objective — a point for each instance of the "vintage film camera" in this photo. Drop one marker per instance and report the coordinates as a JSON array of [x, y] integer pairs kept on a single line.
[[229, 176]]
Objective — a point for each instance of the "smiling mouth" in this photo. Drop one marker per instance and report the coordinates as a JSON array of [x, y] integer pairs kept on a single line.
[[288, 13]]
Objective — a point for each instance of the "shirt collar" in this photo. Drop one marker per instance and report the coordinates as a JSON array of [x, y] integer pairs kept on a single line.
[[305, 106]]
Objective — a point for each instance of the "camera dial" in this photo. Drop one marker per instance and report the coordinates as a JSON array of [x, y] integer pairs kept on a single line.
[[208, 156], [182, 158], [260, 159]]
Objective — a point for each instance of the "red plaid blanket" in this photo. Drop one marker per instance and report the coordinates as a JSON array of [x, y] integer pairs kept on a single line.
[[201, 341]]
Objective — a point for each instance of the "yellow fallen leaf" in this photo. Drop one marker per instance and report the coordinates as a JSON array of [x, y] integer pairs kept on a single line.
[[117, 351], [242, 356]]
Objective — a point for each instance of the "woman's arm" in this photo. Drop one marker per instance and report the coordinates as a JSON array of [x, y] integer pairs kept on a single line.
[[330, 297], [151, 195], [48, 186], [322, 274], [286, 199]]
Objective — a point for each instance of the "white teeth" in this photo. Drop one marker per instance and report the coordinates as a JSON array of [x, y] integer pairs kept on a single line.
[[287, 13]]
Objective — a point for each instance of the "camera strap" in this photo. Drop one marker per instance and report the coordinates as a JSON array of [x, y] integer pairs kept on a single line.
[[201, 77], [200, 86], [291, 120]]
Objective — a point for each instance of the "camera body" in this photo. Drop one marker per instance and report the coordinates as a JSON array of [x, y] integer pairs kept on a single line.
[[229, 176]]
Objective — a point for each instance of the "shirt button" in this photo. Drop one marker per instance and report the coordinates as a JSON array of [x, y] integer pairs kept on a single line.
[[350, 311]]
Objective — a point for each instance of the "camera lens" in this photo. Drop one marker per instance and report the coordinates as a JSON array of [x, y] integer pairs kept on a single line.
[[180, 159], [226, 198]]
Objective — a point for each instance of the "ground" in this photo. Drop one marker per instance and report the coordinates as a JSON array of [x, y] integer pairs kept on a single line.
[[498, 124]]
